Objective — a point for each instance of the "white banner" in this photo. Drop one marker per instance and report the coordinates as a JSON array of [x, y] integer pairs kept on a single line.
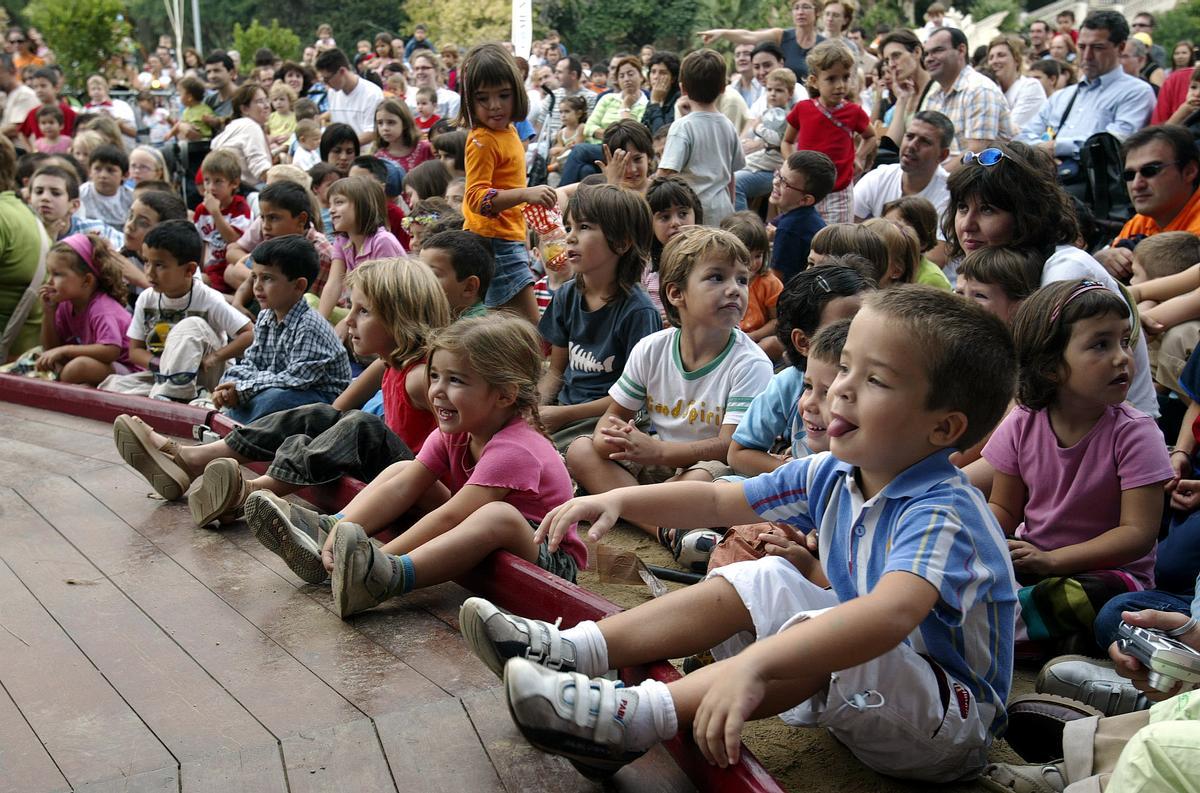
[[522, 27]]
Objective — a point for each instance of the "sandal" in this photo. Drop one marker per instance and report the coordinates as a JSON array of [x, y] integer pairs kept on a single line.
[[158, 464], [221, 493]]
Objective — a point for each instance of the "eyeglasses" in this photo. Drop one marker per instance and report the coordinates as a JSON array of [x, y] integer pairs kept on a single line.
[[779, 178], [987, 157], [804, 7], [1147, 171], [17, 41], [179, 378]]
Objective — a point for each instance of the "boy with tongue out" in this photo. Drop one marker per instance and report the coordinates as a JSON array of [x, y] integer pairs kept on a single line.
[[907, 659]]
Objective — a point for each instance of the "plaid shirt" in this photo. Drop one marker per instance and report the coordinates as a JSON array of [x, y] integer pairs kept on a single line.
[[977, 107], [302, 352], [82, 225]]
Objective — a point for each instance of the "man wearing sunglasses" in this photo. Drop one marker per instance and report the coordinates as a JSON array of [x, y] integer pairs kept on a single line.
[[1161, 173]]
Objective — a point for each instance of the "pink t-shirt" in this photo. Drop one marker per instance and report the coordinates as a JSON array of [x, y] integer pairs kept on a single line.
[[380, 245], [1074, 494], [104, 321], [518, 458]]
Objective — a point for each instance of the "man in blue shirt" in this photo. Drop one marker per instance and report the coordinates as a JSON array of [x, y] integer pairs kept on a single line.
[[1106, 100]]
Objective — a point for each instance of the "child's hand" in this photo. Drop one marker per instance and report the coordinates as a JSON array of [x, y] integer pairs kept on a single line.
[[597, 510], [1186, 496], [1181, 465], [730, 701], [1151, 325], [48, 295], [53, 359], [614, 168], [542, 195], [553, 417], [1028, 558], [212, 203], [1128, 666], [783, 540], [225, 395], [630, 442]]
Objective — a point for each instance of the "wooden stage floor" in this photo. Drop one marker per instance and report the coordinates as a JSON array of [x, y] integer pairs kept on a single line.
[[139, 653]]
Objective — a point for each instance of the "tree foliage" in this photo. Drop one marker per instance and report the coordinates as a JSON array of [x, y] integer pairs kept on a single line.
[[83, 32], [282, 41], [463, 23], [1182, 22]]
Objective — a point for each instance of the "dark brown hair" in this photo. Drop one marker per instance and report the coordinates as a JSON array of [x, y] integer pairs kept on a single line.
[[489, 65], [624, 218], [1018, 272]]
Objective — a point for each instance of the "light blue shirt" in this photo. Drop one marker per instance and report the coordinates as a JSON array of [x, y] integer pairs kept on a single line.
[[1114, 102], [775, 413], [82, 225], [929, 521]]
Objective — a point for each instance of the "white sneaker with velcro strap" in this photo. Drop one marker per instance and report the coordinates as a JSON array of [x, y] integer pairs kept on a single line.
[[496, 637]]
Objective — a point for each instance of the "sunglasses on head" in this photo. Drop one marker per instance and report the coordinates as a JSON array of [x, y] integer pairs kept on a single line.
[[986, 157], [1147, 171]]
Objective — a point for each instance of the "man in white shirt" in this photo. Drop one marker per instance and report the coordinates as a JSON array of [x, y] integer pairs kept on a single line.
[[352, 100], [21, 98]]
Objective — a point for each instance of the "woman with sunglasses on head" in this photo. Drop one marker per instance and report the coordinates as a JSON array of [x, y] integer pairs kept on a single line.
[[1008, 197]]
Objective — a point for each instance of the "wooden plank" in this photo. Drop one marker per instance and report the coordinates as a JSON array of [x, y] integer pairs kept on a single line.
[[55, 418], [438, 745], [162, 780], [342, 757], [61, 439], [188, 711], [87, 728], [21, 461], [25, 765]]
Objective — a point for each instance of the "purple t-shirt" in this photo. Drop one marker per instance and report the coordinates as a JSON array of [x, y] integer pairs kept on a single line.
[[1074, 494], [517, 458], [380, 245], [104, 321]]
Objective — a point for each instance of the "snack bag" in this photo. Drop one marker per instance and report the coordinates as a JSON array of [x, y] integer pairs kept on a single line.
[[552, 237]]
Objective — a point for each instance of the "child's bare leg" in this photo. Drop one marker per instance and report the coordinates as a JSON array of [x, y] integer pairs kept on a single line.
[[523, 304], [380, 502], [84, 370], [442, 557]]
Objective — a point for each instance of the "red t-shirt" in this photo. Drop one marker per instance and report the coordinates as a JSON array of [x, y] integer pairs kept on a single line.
[[1172, 94], [29, 127], [412, 424], [817, 132]]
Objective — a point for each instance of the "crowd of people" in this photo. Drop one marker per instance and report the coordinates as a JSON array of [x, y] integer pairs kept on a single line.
[[835, 320]]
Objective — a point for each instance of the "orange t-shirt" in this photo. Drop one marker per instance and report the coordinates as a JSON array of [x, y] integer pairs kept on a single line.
[[1188, 219], [764, 294], [495, 161]]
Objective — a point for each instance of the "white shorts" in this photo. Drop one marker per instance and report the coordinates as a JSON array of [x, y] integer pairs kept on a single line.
[[900, 713]]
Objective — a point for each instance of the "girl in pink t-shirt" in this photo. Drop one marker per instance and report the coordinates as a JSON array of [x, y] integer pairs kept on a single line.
[[1079, 473], [83, 327], [484, 479], [358, 211]]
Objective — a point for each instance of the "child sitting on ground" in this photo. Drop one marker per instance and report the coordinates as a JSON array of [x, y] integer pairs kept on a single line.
[[921, 609], [674, 206], [1079, 474], [695, 379], [703, 146], [427, 214], [150, 207], [222, 217], [54, 196], [391, 178], [182, 331], [904, 253], [595, 320], [483, 479], [398, 139], [773, 429], [84, 319], [50, 124], [804, 180], [841, 239], [284, 207], [765, 287], [106, 196], [296, 359], [463, 267]]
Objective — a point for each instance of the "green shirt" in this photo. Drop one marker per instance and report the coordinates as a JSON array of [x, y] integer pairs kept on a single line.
[[477, 310], [20, 247], [930, 274]]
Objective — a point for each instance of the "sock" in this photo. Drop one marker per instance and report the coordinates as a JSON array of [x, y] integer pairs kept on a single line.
[[338, 517], [408, 580], [591, 651], [648, 715]]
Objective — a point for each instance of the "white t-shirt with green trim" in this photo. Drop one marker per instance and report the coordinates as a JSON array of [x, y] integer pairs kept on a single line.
[[690, 406]]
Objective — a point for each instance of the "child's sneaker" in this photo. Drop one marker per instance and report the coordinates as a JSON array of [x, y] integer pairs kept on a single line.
[[585, 721], [495, 637], [221, 493], [159, 464], [363, 575], [690, 547], [290, 531]]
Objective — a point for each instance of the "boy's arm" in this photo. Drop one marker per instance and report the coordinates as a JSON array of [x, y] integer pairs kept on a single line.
[[310, 357], [551, 381], [1141, 513], [768, 329], [751, 462], [788, 144], [1173, 312], [236, 346], [1161, 289], [362, 388], [225, 229], [615, 414], [139, 354]]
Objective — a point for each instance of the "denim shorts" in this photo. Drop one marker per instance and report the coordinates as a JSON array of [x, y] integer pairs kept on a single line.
[[512, 273]]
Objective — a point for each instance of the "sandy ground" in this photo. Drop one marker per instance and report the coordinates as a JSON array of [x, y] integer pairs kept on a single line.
[[806, 760]]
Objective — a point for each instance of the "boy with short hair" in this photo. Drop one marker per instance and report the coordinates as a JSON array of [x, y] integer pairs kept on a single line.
[[44, 83], [912, 664], [803, 181], [1167, 253], [54, 196], [463, 266], [296, 358], [308, 144], [695, 379], [223, 216], [105, 196], [703, 147], [427, 114], [182, 331]]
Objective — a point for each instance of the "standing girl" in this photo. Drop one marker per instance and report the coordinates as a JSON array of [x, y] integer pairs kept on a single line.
[[358, 214], [492, 96], [85, 321], [397, 138], [397, 306], [485, 478], [1079, 474], [594, 320]]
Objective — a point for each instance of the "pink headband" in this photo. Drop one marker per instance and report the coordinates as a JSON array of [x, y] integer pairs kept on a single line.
[[83, 246], [1083, 288]]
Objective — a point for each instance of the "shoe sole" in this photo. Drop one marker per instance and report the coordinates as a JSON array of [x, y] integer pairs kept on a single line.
[[218, 491], [1036, 733], [556, 743], [473, 626], [341, 552], [133, 444], [274, 532]]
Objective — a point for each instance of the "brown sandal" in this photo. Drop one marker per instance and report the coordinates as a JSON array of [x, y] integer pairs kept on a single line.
[[221, 493], [159, 464]]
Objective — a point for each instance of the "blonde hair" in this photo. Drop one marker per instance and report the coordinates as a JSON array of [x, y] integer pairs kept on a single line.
[[159, 160], [902, 247], [289, 173], [685, 251], [280, 88], [407, 297], [90, 140], [223, 163], [824, 57], [783, 75], [502, 349]]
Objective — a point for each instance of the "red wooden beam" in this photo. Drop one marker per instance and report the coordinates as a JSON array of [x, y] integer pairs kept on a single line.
[[506, 580]]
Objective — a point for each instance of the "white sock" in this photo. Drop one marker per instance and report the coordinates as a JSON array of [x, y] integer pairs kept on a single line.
[[591, 650], [652, 719]]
